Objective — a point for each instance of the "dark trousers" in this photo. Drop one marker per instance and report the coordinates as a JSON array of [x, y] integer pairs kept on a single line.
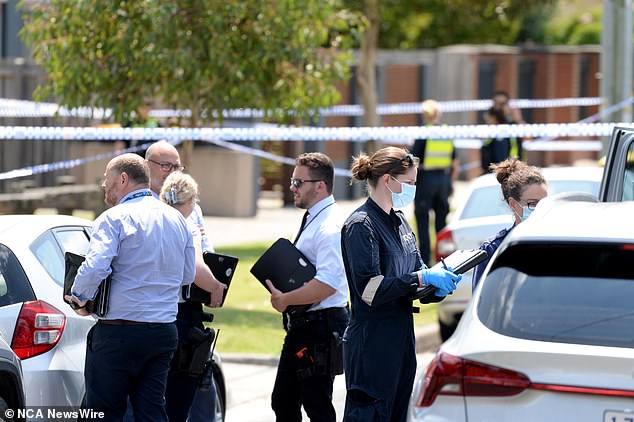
[[313, 391], [129, 360], [181, 386], [432, 193]]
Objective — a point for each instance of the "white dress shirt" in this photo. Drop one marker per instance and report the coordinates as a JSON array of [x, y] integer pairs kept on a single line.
[[321, 243]]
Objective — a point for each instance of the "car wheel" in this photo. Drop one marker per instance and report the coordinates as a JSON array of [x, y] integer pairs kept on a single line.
[[220, 405], [446, 330], [3, 408]]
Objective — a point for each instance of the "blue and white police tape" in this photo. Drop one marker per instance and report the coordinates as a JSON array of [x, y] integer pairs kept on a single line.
[[25, 108], [67, 164], [402, 134], [399, 108], [598, 116]]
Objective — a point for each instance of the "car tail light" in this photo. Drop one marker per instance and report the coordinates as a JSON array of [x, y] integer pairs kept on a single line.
[[38, 329], [454, 376], [445, 244]]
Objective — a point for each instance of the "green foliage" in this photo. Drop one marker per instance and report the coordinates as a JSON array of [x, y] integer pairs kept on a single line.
[[205, 55], [583, 27], [434, 23]]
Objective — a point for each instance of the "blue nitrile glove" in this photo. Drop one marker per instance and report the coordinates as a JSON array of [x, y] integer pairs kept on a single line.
[[444, 280]]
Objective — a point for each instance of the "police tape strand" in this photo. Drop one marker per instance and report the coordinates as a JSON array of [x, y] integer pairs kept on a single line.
[[398, 134], [67, 164], [25, 108]]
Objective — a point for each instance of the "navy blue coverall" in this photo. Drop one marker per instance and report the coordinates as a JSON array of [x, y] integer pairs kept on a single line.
[[381, 259], [489, 246]]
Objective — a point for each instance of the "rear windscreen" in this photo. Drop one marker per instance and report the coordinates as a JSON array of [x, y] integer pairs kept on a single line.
[[567, 293]]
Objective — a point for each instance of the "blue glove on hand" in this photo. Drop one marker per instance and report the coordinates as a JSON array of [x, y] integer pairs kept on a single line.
[[444, 280]]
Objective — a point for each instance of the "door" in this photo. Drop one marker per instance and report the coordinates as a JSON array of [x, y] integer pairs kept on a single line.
[[618, 177]]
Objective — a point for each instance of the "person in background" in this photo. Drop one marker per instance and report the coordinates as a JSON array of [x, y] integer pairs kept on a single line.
[[495, 150], [523, 186], [163, 159], [148, 250], [311, 356], [384, 269], [181, 192], [437, 170]]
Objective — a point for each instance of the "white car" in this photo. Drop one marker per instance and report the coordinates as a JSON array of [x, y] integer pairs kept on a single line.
[[548, 334], [482, 214], [45, 333]]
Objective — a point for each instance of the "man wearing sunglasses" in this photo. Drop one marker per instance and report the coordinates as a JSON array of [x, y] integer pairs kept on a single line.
[[312, 352]]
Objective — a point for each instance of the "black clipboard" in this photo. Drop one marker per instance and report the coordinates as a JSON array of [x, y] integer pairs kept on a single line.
[[97, 306], [223, 267], [460, 261], [287, 268]]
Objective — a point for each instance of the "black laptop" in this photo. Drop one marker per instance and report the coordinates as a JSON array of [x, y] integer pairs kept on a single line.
[[223, 267]]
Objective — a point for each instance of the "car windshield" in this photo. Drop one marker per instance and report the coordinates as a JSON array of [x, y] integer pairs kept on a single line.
[[487, 201], [561, 300]]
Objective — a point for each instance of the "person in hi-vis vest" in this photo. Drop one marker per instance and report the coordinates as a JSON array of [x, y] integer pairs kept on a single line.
[[437, 169]]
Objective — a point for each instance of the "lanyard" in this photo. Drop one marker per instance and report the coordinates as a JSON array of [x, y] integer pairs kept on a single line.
[[311, 220], [137, 195]]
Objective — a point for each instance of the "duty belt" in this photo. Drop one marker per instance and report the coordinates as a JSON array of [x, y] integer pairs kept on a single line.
[[319, 315]]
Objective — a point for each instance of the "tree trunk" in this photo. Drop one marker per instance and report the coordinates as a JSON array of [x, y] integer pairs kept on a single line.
[[366, 77]]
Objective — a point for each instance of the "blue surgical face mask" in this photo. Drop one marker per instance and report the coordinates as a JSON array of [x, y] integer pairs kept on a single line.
[[404, 197], [526, 212]]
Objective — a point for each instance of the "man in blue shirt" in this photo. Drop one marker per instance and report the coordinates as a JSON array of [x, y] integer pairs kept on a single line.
[[147, 249]]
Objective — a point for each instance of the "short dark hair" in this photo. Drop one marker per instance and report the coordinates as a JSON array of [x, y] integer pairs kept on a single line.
[[134, 166], [320, 167]]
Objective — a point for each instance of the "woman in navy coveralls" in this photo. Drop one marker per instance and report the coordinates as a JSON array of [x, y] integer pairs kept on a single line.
[[383, 267]]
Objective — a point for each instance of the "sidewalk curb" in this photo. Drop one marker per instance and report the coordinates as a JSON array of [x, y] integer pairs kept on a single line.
[[427, 339]]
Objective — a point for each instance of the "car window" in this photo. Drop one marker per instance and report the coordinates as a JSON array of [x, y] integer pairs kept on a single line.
[[49, 249], [561, 300], [73, 240], [487, 201], [14, 285], [628, 176]]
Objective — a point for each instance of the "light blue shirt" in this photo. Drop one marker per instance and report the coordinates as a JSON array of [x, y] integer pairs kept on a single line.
[[148, 248], [321, 243]]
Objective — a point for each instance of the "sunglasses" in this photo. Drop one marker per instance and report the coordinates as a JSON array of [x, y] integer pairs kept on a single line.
[[408, 159], [298, 182]]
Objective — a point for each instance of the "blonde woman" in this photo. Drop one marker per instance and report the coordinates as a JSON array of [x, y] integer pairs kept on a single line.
[[181, 192]]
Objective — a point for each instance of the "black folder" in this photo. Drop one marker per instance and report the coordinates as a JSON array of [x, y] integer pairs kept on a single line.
[[97, 306], [460, 261], [286, 267], [222, 267]]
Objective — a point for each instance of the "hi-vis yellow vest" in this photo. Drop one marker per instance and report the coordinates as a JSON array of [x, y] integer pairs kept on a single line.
[[438, 154]]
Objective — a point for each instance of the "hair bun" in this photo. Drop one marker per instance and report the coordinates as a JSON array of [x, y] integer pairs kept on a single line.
[[361, 167]]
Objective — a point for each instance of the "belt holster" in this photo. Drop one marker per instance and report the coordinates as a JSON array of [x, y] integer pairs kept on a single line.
[[192, 354]]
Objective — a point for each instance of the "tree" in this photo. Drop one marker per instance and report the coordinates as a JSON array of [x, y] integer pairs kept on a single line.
[[435, 23], [283, 57]]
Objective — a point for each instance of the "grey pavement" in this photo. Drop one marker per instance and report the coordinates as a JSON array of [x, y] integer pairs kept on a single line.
[[250, 378], [250, 383]]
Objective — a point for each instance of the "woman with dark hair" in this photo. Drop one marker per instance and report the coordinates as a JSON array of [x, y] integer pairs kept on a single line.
[[523, 186], [384, 269]]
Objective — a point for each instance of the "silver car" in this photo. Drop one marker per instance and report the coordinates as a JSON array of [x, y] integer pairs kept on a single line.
[[482, 214], [45, 333], [548, 333]]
